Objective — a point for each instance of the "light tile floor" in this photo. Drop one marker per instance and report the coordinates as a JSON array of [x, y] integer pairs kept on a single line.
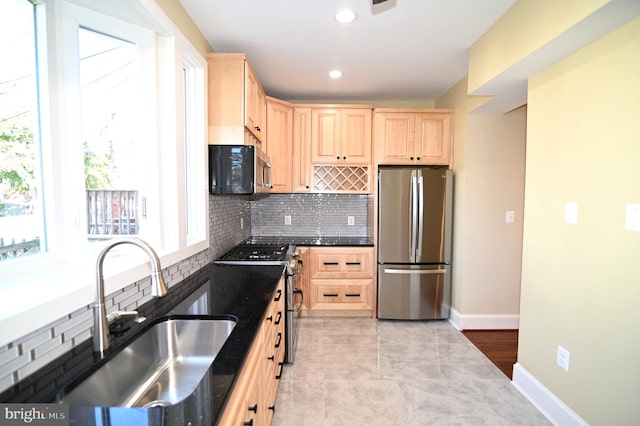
[[361, 371]]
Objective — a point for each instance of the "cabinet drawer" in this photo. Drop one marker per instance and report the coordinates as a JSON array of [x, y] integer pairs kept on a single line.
[[341, 263], [345, 292]]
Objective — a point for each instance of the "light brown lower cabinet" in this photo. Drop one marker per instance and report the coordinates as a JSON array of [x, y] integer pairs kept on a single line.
[[341, 281], [252, 402]]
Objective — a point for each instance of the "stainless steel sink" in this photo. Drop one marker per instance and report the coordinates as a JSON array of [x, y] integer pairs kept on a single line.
[[161, 367]]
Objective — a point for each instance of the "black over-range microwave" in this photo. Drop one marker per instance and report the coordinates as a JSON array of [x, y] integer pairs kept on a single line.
[[238, 169]]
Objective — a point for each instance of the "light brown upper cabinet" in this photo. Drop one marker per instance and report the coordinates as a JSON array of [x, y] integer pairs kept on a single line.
[[407, 136], [341, 134], [279, 143], [301, 149], [237, 102]]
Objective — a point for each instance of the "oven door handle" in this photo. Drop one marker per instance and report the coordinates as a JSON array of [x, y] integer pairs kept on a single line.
[[301, 293]]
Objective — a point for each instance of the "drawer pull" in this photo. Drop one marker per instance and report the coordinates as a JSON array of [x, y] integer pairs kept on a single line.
[[271, 358], [273, 408], [278, 318], [254, 408], [277, 299], [352, 294], [281, 364], [269, 318], [353, 263], [277, 345], [330, 263], [249, 423], [330, 294]]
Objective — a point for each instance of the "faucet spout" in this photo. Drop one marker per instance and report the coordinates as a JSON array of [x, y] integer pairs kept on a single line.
[[158, 289]]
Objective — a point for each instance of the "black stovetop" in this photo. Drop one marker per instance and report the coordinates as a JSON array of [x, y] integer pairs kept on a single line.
[[249, 251]]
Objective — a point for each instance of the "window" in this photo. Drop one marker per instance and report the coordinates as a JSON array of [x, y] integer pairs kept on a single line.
[[21, 221], [110, 82], [102, 115], [194, 98]]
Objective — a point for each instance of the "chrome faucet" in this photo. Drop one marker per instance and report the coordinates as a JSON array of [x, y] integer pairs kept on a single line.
[[100, 320]]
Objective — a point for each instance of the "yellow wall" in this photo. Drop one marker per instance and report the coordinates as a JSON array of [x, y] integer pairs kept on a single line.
[[581, 283], [183, 21], [524, 28], [489, 180]]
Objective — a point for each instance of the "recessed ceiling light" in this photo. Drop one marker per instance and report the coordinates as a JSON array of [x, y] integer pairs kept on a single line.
[[345, 16], [335, 74]]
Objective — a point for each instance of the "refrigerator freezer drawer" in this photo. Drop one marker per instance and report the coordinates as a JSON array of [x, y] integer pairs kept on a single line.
[[414, 292]]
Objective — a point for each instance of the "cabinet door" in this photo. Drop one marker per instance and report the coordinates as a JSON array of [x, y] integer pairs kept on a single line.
[[304, 278], [356, 136], [394, 137], [301, 149], [434, 138], [326, 135], [226, 99], [255, 104], [279, 144]]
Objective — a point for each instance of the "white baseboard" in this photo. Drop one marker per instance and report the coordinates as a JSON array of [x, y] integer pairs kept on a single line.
[[484, 322], [543, 399]]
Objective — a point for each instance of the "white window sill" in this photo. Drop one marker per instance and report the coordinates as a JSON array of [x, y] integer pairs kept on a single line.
[[42, 297]]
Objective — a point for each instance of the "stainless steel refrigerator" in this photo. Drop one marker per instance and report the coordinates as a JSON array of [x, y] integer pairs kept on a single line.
[[414, 242]]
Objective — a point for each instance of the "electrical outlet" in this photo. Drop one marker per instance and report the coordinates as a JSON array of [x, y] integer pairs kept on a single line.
[[511, 216], [242, 223], [563, 358], [287, 220], [351, 220]]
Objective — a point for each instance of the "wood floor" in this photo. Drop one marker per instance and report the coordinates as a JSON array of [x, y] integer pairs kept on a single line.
[[500, 346]]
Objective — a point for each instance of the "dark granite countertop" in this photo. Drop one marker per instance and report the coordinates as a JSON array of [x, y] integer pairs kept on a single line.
[[243, 292], [315, 240]]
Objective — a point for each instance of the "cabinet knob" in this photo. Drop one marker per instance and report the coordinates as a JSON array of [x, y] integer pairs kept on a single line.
[[306, 186], [344, 158], [418, 158], [338, 157], [410, 158], [258, 129]]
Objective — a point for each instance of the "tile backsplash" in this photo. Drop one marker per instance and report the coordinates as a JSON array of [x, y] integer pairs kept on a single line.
[[232, 219], [313, 214]]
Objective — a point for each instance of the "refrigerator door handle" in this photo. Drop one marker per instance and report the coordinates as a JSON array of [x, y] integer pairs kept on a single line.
[[415, 271], [413, 216], [419, 231]]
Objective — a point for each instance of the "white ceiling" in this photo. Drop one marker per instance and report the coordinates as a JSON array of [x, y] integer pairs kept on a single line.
[[401, 50]]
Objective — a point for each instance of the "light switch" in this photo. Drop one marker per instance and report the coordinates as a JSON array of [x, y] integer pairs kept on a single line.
[[511, 216], [632, 222], [287, 220], [351, 220], [571, 212]]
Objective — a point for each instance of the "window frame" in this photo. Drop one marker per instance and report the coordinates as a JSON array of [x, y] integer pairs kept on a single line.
[[37, 290]]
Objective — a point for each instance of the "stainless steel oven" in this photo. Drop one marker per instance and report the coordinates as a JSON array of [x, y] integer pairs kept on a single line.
[[260, 252], [294, 298]]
